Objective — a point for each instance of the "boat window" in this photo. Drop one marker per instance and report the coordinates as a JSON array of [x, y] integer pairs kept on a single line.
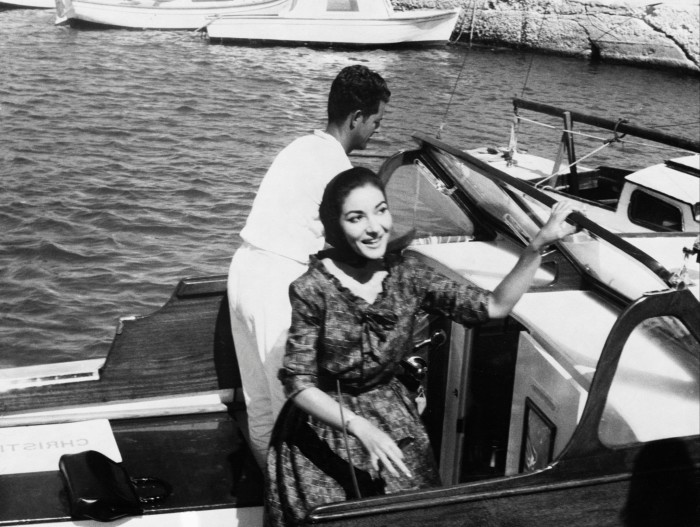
[[603, 261], [650, 211], [341, 5], [420, 202], [655, 393]]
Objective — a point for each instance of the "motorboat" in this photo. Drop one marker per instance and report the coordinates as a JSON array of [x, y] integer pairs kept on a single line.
[[156, 14], [582, 407], [356, 23], [664, 196]]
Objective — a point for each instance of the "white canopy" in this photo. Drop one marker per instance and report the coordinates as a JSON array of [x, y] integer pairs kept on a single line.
[[666, 180]]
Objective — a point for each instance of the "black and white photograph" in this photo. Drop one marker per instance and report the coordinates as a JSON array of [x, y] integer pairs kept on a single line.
[[350, 263]]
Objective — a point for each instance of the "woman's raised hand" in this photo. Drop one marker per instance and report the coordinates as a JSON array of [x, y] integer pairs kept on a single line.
[[383, 451], [556, 227]]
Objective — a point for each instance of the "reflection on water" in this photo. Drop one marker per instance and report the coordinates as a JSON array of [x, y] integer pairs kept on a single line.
[[129, 159]]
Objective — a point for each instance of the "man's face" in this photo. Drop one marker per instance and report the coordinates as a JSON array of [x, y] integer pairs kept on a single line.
[[365, 126]]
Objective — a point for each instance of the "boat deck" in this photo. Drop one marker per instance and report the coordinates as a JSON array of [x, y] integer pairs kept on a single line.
[[203, 458], [156, 365], [152, 358]]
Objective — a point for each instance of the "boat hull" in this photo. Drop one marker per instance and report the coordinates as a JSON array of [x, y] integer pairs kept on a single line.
[[426, 28], [36, 4], [151, 14], [230, 517]]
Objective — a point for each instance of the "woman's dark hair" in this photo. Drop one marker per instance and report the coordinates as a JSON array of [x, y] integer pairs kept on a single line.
[[337, 190], [356, 88]]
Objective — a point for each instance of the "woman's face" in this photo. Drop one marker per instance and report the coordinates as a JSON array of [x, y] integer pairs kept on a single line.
[[366, 221]]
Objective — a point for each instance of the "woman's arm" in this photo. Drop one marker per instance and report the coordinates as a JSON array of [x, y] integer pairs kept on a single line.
[[518, 280], [380, 446]]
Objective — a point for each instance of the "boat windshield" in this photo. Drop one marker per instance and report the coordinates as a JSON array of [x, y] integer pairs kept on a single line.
[[661, 354], [521, 215], [422, 204]]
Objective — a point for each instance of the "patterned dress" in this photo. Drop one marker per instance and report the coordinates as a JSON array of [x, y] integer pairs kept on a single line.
[[337, 337]]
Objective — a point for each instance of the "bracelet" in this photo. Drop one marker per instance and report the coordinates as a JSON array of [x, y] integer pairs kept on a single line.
[[349, 420], [541, 251]]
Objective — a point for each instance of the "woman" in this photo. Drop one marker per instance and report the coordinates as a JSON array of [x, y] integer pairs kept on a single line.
[[352, 324]]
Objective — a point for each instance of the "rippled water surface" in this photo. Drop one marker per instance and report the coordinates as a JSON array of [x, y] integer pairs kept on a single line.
[[129, 159]]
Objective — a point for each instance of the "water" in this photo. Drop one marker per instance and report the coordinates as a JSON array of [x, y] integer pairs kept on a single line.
[[129, 159]]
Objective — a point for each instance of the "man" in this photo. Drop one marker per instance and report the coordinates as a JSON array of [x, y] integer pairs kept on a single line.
[[282, 230]]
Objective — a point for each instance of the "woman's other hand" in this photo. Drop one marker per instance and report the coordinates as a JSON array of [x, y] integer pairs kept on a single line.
[[383, 451]]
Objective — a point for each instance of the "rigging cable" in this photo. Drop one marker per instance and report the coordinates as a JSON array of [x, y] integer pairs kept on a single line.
[[438, 135], [602, 139], [449, 103], [515, 126], [532, 56]]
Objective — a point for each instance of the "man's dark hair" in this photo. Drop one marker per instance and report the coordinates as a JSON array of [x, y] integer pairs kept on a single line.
[[356, 88]]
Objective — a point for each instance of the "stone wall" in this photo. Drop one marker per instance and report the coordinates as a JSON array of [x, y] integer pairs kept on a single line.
[[660, 34]]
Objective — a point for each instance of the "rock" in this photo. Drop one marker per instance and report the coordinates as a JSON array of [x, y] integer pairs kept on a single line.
[[661, 34]]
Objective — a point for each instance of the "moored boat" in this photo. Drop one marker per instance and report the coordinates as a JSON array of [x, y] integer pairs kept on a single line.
[[662, 197], [587, 396], [354, 23], [154, 14]]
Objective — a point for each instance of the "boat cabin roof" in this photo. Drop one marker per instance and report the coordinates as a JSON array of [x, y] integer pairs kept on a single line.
[[671, 179]]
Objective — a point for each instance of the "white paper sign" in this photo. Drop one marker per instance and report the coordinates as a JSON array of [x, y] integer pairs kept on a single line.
[[38, 448]]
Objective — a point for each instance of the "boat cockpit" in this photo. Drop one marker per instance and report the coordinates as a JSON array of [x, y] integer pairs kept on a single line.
[[506, 398]]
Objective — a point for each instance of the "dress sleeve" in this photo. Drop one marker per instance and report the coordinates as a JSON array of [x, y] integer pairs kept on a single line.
[[299, 366], [460, 301]]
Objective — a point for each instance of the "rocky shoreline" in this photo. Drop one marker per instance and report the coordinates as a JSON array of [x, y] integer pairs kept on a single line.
[[655, 34]]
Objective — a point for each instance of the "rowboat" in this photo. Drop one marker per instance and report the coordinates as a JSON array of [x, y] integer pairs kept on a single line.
[[582, 407], [353, 23], [156, 14]]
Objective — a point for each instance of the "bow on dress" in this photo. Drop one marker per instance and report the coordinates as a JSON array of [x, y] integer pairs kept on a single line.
[[379, 321]]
